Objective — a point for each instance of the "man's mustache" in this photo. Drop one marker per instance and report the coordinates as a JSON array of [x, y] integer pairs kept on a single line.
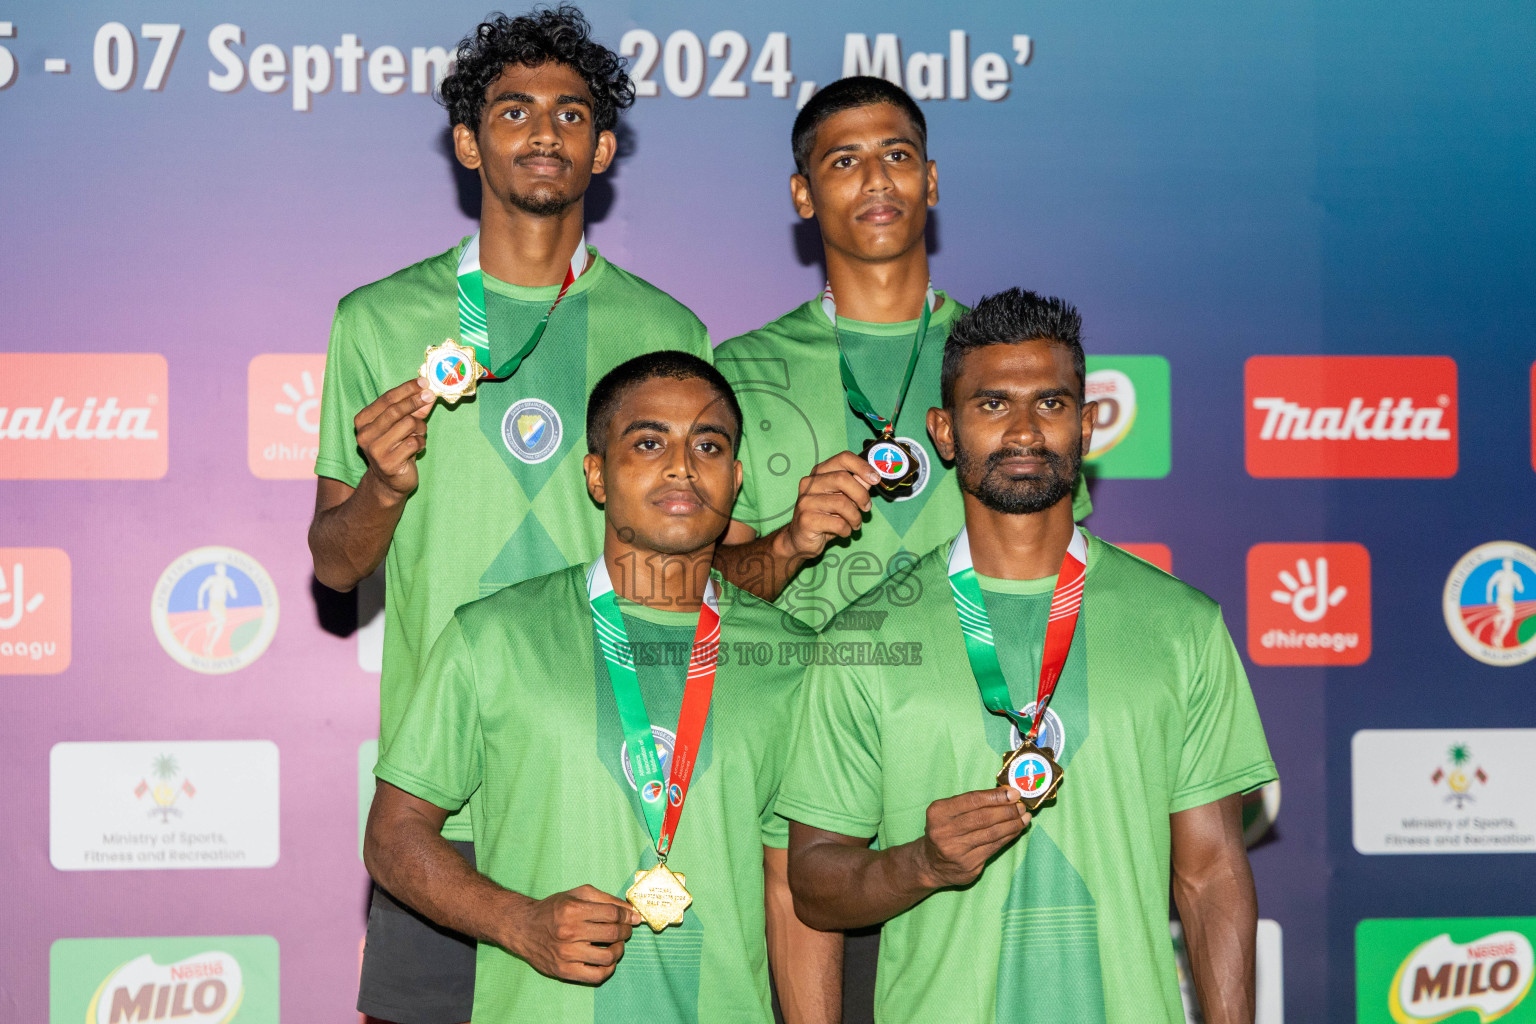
[[1053, 459]]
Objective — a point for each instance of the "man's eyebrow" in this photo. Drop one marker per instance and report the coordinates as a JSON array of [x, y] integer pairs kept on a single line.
[[639, 425], [1005, 394], [856, 147], [525, 97], [566, 97], [897, 140], [711, 428]]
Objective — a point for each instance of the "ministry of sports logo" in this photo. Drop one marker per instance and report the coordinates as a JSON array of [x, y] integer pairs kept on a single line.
[[214, 610], [664, 740], [531, 430], [1490, 603]]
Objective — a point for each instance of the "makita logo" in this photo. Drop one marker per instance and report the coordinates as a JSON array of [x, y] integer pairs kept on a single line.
[[86, 422], [82, 416], [1350, 416], [1385, 421]]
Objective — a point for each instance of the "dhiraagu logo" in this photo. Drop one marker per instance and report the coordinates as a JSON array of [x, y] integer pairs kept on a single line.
[[1132, 427], [1423, 970], [199, 980]]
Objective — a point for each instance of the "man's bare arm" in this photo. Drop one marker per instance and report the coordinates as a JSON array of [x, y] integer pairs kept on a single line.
[[1213, 888], [573, 936], [352, 528], [807, 964], [839, 883], [833, 500]]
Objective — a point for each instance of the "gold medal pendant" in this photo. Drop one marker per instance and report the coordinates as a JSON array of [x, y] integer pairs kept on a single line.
[[1033, 772], [660, 897], [450, 371], [894, 461]]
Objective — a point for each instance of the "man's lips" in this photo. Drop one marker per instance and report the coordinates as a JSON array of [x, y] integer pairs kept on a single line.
[[880, 213], [546, 165], [678, 503]]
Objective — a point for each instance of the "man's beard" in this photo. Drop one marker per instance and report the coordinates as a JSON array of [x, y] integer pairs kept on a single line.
[[545, 201], [1019, 497]]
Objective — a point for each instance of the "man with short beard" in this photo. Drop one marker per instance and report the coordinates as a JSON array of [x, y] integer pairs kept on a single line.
[[1089, 710], [497, 497]]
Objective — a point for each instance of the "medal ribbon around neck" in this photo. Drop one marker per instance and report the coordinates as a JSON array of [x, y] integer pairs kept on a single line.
[[474, 326], [861, 404], [981, 648], [608, 621]]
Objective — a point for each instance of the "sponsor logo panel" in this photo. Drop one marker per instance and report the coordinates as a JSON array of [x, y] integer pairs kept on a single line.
[[1490, 603], [214, 610], [1309, 604], [1132, 433], [283, 415], [1159, 555], [210, 979], [1421, 970], [1269, 975], [124, 806], [1350, 416], [34, 611], [83, 416], [1444, 790]]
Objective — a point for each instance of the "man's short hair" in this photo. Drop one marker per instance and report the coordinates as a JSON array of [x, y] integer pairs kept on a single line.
[[619, 381], [1009, 318], [544, 34], [846, 94]]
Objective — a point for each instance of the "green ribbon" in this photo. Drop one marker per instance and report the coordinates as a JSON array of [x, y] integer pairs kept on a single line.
[[856, 397]]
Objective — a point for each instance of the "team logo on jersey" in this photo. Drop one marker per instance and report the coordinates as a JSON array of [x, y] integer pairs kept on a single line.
[[1032, 774], [202, 989], [214, 610], [531, 430], [1490, 603], [664, 740], [919, 456], [1053, 735]]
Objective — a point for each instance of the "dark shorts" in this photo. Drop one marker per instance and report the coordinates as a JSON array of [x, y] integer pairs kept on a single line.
[[416, 972]]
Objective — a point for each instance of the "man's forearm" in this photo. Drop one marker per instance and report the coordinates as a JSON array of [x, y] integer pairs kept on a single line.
[[840, 887], [807, 964], [1220, 912], [762, 566], [349, 539], [416, 865]]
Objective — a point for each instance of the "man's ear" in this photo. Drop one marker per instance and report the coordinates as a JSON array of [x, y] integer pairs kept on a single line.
[[592, 466], [933, 183], [800, 195], [607, 149], [1090, 414], [941, 428], [466, 147]]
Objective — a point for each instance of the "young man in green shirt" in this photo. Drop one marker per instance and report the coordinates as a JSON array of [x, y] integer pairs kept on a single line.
[[540, 706], [899, 813], [497, 495], [807, 530]]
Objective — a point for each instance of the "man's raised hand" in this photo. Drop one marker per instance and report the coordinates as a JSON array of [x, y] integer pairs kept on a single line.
[[559, 935], [391, 430], [963, 832], [833, 499]]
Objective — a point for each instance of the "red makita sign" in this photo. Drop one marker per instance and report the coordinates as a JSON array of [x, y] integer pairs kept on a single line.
[[1361, 416]]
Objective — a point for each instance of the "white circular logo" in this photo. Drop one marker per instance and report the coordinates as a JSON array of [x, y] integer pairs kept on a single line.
[[1053, 734], [889, 460], [920, 456], [1490, 603], [664, 739], [214, 610], [1116, 396], [1260, 809], [531, 430]]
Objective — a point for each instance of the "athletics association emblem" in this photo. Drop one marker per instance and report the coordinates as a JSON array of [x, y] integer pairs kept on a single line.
[[1490, 603], [664, 740], [450, 371], [889, 460], [1031, 775], [214, 610], [531, 430]]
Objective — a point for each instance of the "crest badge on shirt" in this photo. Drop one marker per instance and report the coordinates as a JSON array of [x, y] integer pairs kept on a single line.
[[531, 430], [1052, 733]]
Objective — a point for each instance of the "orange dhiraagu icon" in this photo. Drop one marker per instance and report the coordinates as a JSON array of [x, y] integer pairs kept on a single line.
[[283, 415], [1309, 604], [34, 611], [83, 416]]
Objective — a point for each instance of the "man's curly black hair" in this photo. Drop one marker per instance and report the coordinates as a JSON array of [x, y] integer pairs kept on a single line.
[[544, 34]]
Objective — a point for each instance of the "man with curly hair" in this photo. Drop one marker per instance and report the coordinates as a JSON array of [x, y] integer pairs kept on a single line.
[[500, 496]]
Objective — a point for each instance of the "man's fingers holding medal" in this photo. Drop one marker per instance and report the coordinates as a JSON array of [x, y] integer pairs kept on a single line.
[[391, 430], [576, 936], [833, 499], [963, 832]]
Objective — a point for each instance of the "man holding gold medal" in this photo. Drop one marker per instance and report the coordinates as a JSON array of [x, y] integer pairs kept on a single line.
[[616, 730], [500, 339], [1078, 732]]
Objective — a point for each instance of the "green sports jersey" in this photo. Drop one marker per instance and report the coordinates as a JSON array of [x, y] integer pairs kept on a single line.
[[795, 415], [1152, 715], [501, 496], [515, 714]]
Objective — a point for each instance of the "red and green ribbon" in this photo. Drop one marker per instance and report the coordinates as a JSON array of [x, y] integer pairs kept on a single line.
[[856, 397], [665, 808], [474, 324]]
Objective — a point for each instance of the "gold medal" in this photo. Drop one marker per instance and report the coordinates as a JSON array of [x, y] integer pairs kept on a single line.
[[894, 461], [660, 897], [1033, 772], [450, 371]]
